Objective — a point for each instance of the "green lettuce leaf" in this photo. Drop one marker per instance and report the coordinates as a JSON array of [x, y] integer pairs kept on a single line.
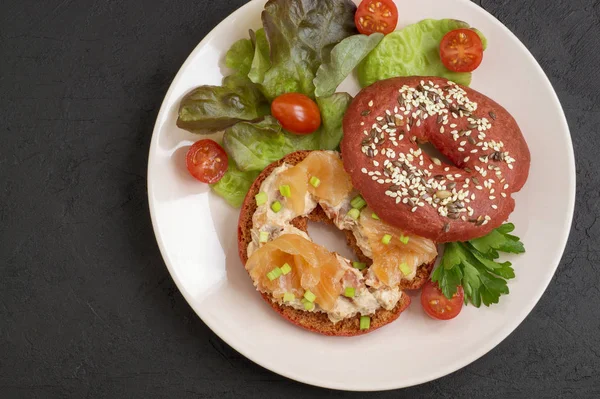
[[344, 58], [261, 62], [412, 51], [234, 185], [332, 109], [253, 146], [301, 35], [208, 109], [240, 56]]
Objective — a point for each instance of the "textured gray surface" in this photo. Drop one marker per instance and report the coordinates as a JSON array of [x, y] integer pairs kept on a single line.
[[87, 308]]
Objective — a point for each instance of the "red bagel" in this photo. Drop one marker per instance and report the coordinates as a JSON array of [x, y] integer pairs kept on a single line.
[[406, 187]]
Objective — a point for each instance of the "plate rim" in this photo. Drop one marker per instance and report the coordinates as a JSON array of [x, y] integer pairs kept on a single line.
[[507, 329]]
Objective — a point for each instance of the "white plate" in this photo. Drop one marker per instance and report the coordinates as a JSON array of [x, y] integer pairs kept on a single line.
[[196, 230]]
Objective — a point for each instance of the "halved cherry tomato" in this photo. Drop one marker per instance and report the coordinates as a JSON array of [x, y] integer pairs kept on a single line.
[[207, 161], [436, 304], [297, 113], [461, 50], [376, 16]]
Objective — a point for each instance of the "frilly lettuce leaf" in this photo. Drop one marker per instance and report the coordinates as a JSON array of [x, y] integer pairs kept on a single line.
[[332, 109], [346, 55], [234, 185], [412, 51], [301, 35], [240, 56], [208, 109], [261, 62], [253, 146]]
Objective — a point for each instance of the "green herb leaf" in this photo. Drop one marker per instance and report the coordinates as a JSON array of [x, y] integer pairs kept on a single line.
[[253, 146], [234, 186], [473, 265], [412, 51], [240, 55], [333, 109], [346, 55], [499, 240], [301, 35], [208, 109]]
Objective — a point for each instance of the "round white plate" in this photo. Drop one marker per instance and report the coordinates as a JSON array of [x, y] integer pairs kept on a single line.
[[196, 230]]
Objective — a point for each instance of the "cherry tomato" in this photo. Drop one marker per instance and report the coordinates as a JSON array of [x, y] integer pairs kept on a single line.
[[376, 16], [461, 50], [297, 113], [436, 304], [207, 161]]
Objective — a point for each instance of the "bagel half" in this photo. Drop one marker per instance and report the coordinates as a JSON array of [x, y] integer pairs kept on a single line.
[[444, 202], [317, 321]]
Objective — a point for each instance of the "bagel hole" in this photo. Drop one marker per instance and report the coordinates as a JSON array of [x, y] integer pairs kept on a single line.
[[433, 152], [330, 237]]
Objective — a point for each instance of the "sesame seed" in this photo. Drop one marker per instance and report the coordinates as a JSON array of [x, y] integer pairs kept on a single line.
[[494, 206], [371, 103], [466, 159]]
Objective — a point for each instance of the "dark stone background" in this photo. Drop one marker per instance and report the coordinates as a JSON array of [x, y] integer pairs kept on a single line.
[[87, 308]]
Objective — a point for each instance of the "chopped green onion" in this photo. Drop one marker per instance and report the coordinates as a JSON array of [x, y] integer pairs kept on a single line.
[[405, 269], [365, 322], [308, 305], [285, 269], [261, 198], [359, 265], [309, 296], [288, 297], [285, 190], [263, 237], [349, 292], [276, 206], [386, 239], [354, 213], [315, 181], [404, 239], [374, 216], [358, 203], [275, 273]]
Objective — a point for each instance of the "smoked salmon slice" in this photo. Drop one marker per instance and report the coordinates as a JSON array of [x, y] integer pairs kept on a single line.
[[312, 268], [334, 183], [399, 258]]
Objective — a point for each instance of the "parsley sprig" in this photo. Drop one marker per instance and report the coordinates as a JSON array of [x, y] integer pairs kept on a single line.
[[473, 264]]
